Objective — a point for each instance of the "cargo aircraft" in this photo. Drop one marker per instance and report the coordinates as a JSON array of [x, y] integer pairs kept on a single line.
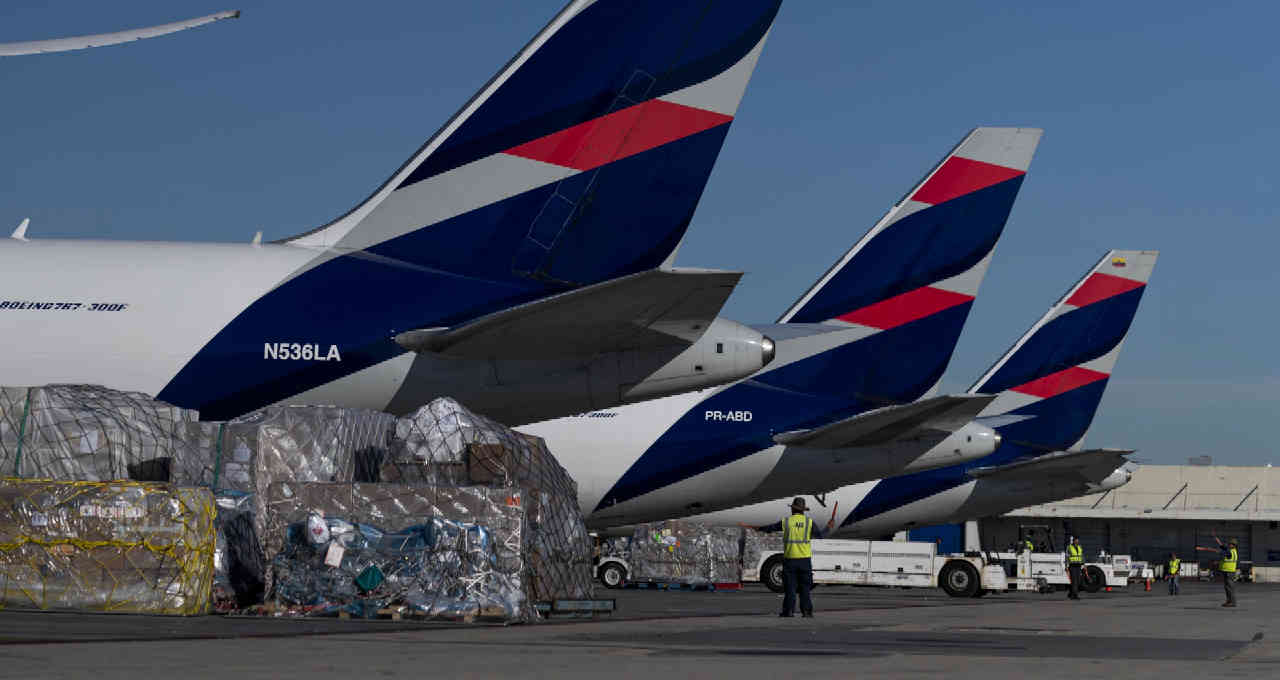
[[845, 399], [520, 261], [1047, 386]]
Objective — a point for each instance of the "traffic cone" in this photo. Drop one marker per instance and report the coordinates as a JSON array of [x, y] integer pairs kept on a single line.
[[1148, 585], [1108, 589]]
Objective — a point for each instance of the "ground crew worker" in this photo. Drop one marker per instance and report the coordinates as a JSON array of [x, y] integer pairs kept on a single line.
[[1027, 546], [1227, 567], [797, 557], [1075, 566], [1171, 572]]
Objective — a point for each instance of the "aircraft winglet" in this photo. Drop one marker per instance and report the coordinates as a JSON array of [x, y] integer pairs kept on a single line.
[[21, 232]]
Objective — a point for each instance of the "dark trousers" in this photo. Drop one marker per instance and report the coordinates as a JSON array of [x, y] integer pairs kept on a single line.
[[1074, 571], [1174, 588], [797, 575], [1229, 585]]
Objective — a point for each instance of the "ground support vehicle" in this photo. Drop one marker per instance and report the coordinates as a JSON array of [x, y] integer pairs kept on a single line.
[[910, 564], [1026, 568], [904, 564]]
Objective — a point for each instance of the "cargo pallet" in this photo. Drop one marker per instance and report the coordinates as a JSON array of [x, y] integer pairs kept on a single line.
[[662, 585], [406, 614], [382, 614], [575, 609]]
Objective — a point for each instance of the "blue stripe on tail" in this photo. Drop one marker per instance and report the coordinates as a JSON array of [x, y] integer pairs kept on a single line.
[[611, 55]]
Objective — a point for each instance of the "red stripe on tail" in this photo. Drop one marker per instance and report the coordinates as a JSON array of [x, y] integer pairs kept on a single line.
[[905, 308], [1063, 381], [959, 176], [1101, 286], [619, 134]]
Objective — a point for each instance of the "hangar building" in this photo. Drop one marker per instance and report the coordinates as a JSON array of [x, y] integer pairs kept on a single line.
[[1162, 509]]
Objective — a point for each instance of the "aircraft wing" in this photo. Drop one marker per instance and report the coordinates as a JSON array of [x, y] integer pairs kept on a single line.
[[81, 42], [1089, 465], [947, 414], [651, 309]]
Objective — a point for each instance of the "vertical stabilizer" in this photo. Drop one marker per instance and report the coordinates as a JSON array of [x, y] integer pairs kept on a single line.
[[583, 158]]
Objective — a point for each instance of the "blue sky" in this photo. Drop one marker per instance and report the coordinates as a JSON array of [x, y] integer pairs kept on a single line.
[[1160, 123]]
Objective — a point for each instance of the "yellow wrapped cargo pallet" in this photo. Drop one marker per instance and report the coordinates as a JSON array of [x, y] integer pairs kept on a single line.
[[135, 547]]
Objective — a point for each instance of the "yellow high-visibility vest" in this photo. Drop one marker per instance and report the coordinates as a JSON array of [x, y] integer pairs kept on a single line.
[[796, 532], [1228, 564], [1173, 566], [1075, 554], [1026, 545]]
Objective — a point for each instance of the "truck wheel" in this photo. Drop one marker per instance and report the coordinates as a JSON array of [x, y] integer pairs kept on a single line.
[[771, 574], [1094, 581], [959, 579], [612, 575]]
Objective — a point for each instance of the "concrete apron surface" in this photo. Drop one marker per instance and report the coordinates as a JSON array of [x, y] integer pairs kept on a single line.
[[858, 631]]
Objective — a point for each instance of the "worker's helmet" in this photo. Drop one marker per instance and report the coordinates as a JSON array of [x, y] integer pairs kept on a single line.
[[798, 504]]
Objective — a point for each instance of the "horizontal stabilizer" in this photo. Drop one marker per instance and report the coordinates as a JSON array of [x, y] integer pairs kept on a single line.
[[947, 414], [1090, 465], [658, 308]]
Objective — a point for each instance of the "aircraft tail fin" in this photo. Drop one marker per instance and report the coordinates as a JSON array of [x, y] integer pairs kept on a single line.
[[582, 159], [1051, 381], [931, 250], [881, 325], [1047, 386]]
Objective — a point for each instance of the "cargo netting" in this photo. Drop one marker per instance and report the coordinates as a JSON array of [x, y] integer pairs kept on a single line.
[[443, 443], [683, 552], [105, 546], [89, 433], [438, 552], [615, 546], [280, 443], [757, 545]]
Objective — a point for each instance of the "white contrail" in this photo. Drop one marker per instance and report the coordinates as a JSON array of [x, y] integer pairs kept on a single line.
[[102, 39]]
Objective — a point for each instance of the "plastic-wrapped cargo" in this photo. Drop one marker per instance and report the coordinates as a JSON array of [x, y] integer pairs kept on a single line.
[[282, 443], [91, 433], [239, 568], [756, 545], [105, 546], [615, 546], [301, 444], [448, 552], [687, 553], [443, 443]]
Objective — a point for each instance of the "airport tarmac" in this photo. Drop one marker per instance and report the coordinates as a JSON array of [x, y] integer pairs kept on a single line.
[[863, 631]]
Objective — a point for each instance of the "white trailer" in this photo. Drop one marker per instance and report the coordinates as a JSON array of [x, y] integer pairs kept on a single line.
[[904, 564], [914, 564]]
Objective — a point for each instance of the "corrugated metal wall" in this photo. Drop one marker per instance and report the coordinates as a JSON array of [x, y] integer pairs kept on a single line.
[[1150, 540]]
